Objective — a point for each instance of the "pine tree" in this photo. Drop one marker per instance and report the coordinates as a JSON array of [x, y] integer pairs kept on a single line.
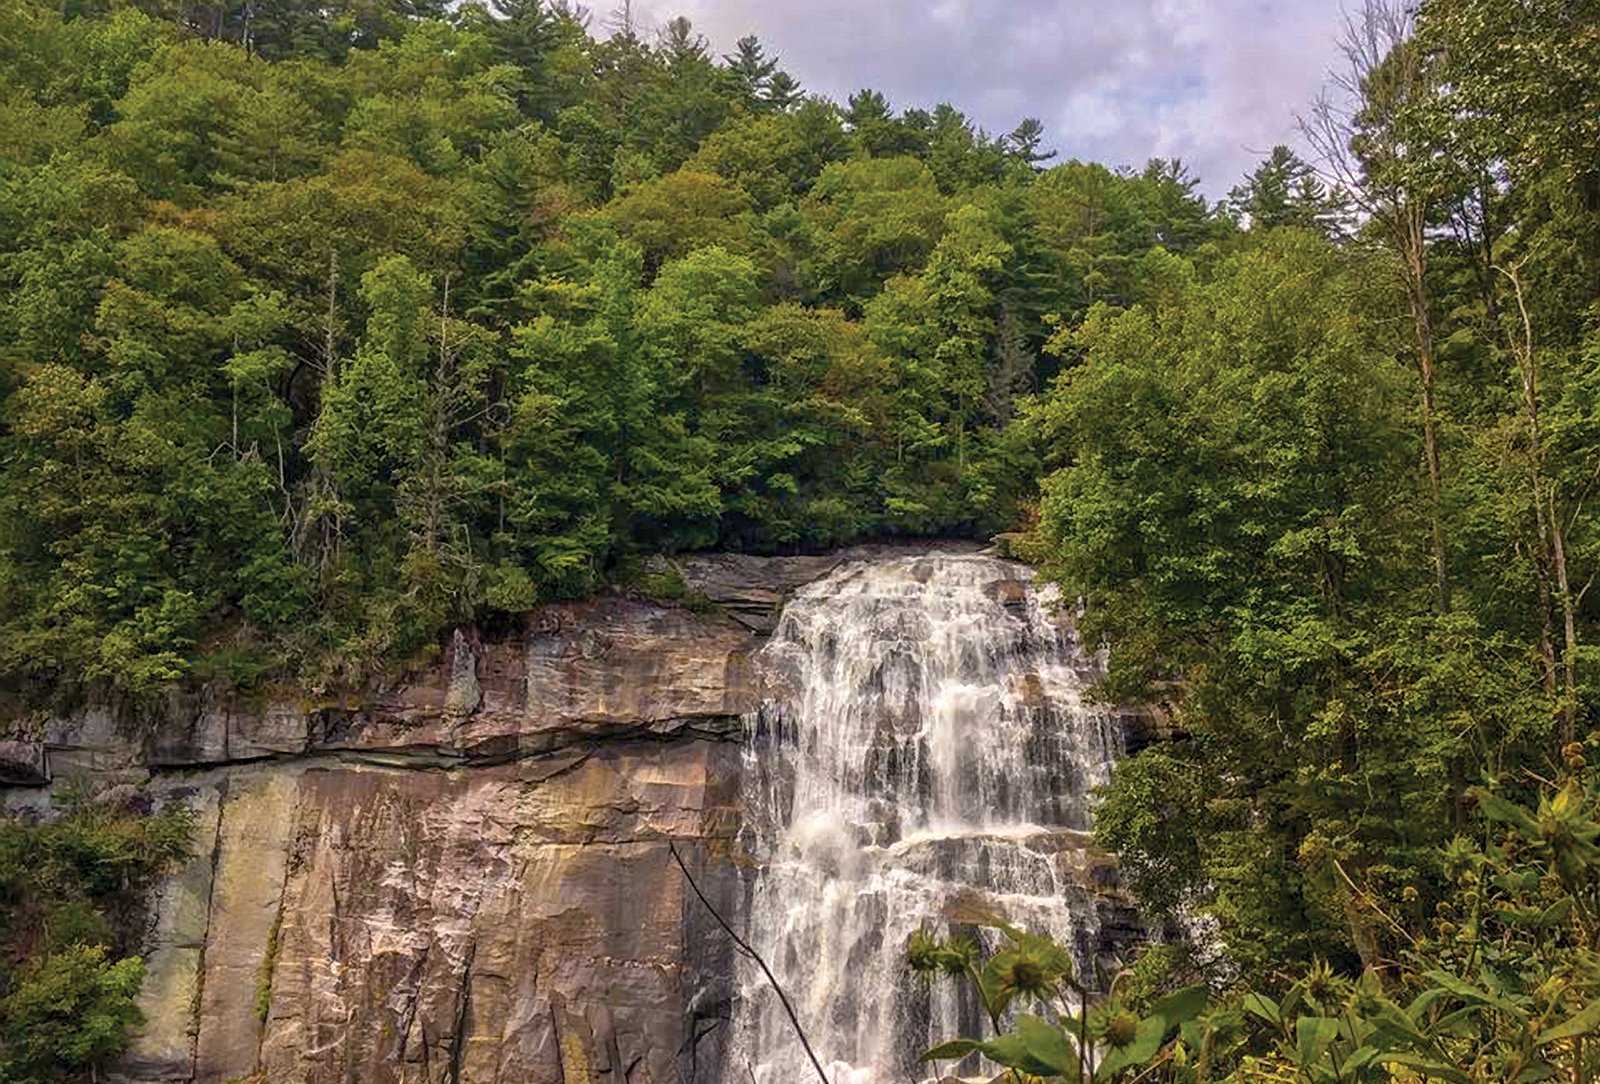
[[1025, 140], [751, 67]]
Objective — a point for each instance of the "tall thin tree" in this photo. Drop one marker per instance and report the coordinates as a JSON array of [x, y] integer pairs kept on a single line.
[[1362, 129]]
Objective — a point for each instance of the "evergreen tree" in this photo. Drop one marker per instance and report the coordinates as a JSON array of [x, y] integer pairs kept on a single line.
[[1283, 191], [752, 68], [1025, 141], [783, 92]]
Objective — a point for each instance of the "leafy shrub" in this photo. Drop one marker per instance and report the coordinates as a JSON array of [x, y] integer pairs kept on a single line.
[[70, 891], [66, 1012], [1501, 983]]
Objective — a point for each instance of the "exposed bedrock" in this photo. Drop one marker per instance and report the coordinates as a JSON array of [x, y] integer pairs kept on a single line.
[[519, 922]]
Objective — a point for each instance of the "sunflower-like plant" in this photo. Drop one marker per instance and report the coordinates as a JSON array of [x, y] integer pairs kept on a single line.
[[1064, 1037], [1501, 985]]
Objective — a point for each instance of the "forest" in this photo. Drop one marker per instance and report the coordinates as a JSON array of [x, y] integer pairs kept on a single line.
[[322, 333], [327, 327]]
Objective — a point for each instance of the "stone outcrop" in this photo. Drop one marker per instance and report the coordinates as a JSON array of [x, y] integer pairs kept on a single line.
[[609, 668], [465, 876], [1149, 724], [753, 589], [522, 922], [22, 762]]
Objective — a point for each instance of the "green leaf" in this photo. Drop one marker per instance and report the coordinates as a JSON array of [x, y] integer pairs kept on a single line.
[[952, 1048], [991, 983], [1557, 913], [1499, 809], [1465, 990], [1290, 1006], [1048, 1044], [1391, 1019], [1147, 1040], [1011, 1051], [1182, 1005], [1518, 916], [1110, 1065], [1263, 1006], [1586, 1022], [1461, 1023], [1358, 1058], [1313, 1035], [1427, 1067]]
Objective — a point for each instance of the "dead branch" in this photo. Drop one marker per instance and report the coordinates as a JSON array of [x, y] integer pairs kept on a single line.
[[745, 947]]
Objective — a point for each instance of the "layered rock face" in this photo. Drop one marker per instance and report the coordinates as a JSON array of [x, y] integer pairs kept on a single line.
[[466, 877], [524, 922]]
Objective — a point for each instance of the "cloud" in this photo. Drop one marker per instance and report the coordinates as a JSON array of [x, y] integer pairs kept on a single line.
[[1215, 82]]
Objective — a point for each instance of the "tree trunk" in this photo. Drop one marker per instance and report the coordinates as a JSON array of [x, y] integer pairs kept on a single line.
[[1553, 534], [1413, 257], [1569, 660], [1543, 589], [320, 488]]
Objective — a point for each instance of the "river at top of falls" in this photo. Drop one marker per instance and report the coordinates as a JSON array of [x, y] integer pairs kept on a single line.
[[926, 753]]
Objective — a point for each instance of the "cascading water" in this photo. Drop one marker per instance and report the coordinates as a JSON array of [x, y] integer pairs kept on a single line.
[[925, 754]]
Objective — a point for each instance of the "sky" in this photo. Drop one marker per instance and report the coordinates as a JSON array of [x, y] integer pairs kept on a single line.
[[1214, 82]]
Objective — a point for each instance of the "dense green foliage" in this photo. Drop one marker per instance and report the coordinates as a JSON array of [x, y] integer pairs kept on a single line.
[[1501, 985], [70, 894], [1334, 505], [1334, 508], [326, 327], [322, 329]]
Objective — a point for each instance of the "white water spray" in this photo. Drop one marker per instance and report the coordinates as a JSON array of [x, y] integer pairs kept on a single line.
[[926, 754]]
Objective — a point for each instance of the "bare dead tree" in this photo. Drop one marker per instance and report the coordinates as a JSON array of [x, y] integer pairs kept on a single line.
[[622, 22], [321, 510], [570, 10], [428, 500], [1547, 514]]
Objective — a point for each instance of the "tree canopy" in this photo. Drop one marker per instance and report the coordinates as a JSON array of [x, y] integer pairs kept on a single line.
[[324, 328]]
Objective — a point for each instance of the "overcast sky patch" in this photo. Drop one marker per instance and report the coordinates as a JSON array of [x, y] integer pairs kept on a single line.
[[1214, 82]]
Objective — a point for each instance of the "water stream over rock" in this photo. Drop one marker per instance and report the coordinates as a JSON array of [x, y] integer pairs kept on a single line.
[[925, 754]]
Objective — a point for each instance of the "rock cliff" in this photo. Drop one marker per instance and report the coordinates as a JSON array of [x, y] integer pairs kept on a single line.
[[466, 876]]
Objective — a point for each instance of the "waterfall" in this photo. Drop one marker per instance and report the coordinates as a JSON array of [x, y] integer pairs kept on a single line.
[[925, 754]]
